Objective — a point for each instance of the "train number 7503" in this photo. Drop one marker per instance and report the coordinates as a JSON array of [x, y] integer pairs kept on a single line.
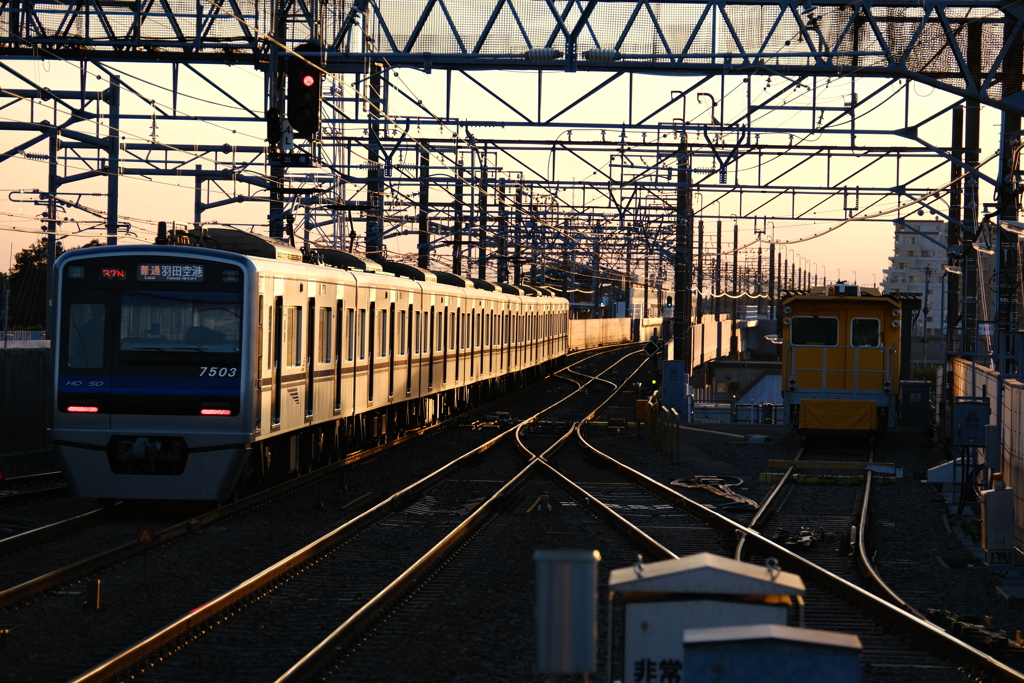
[[214, 371]]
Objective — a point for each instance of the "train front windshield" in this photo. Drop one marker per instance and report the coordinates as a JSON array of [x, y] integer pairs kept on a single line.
[[132, 345]]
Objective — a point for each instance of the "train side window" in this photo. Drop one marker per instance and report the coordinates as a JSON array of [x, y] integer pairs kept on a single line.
[[85, 336], [373, 329], [351, 333], [813, 331], [362, 333], [865, 332], [383, 332], [440, 331], [416, 334], [452, 336], [292, 324], [270, 335], [326, 328], [402, 321]]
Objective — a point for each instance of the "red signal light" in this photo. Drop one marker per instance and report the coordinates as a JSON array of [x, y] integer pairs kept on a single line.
[[308, 80], [214, 411], [83, 409]]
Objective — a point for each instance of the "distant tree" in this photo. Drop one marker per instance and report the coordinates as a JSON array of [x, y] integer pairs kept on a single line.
[[27, 282]]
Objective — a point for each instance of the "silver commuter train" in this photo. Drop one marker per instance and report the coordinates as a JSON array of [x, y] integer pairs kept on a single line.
[[192, 373]]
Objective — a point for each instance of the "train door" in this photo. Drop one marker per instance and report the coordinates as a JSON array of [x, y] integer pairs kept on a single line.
[[277, 370], [489, 340], [868, 361], [430, 352], [310, 355], [445, 343], [86, 365], [339, 325], [257, 393], [408, 347], [393, 352], [370, 343]]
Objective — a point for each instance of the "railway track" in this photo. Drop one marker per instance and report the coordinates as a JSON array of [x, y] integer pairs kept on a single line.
[[588, 485], [451, 495], [36, 559], [899, 645], [32, 488], [315, 509]]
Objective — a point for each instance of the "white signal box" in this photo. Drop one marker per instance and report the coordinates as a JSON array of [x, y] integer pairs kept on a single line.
[[654, 603]]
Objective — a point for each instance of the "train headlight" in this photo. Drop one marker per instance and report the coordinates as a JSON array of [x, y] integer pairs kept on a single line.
[[787, 310], [787, 320], [886, 386], [895, 324], [792, 383], [896, 313]]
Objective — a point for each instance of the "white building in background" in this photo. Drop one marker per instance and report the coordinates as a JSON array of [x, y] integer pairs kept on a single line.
[[915, 267]]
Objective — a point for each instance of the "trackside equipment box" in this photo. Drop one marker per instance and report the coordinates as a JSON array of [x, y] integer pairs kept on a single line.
[[566, 611], [652, 604], [769, 653]]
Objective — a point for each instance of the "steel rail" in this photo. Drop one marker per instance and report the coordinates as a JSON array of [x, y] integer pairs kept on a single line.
[[322, 652], [201, 614], [937, 639], [81, 521], [64, 574], [415, 574], [10, 498], [9, 596], [565, 437], [864, 563], [763, 511]]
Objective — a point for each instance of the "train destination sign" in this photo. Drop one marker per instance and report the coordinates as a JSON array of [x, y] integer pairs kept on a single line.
[[152, 272]]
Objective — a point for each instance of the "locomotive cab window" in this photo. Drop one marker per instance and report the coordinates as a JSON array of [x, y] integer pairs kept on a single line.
[[85, 336], [865, 332], [181, 321], [808, 331]]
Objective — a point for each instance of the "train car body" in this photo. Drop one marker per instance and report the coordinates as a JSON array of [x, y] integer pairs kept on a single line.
[[840, 361], [184, 372]]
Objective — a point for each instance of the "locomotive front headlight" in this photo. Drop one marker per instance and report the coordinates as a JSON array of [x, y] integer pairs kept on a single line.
[[787, 320], [896, 313], [787, 310], [895, 324]]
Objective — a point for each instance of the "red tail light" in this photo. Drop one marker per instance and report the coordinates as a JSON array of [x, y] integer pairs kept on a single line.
[[83, 409], [214, 411]]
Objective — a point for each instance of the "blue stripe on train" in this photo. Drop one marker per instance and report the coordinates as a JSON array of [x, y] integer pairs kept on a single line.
[[175, 386]]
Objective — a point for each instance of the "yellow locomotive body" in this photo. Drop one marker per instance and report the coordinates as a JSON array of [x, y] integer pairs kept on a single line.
[[841, 360]]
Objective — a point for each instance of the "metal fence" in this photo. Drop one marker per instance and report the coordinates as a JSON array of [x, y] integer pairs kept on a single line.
[[24, 411], [22, 335]]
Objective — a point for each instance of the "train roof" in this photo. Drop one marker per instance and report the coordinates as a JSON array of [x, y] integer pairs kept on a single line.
[[237, 244], [850, 292]]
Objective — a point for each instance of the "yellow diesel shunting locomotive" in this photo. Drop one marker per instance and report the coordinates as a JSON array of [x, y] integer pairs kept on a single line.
[[841, 360]]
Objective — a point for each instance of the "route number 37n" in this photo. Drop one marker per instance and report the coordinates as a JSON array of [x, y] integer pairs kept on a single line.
[[214, 371]]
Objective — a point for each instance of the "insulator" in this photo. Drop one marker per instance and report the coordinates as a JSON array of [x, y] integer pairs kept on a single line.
[[542, 54], [604, 56]]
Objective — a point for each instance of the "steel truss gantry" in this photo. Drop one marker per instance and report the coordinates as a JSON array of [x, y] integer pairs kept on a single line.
[[501, 202], [924, 40]]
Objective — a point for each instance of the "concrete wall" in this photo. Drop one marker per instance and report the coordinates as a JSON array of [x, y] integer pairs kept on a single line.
[[592, 332], [975, 381]]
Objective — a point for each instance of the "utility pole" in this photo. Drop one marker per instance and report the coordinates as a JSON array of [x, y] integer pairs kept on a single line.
[[423, 246], [681, 330], [113, 156]]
